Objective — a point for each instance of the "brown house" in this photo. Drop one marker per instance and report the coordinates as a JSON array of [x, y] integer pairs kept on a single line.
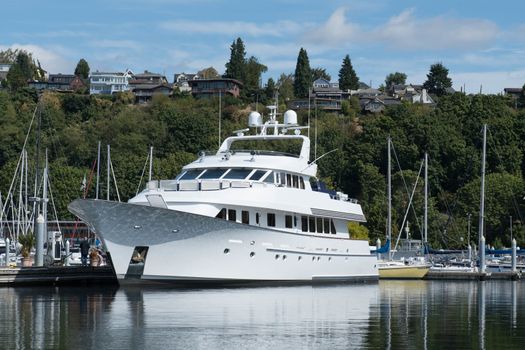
[[205, 88]]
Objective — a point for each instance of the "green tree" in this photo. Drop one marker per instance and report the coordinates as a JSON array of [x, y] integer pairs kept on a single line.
[[270, 89], [320, 73], [348, 79], [253, 72], [82, 69], [285, 87], [22, 70], [395, 79], [437, 80], [302, 75], [236, 66]]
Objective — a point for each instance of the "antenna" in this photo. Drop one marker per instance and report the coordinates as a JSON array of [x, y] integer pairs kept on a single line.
[[98, 168], [220, 116]]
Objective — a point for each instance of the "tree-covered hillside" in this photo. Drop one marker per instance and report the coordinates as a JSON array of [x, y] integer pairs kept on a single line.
[[72, 125]]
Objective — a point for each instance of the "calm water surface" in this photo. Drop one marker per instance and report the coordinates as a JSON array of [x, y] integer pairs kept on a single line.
[[387, 315]]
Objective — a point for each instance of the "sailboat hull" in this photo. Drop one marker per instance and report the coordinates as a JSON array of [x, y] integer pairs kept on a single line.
[[403, 272]]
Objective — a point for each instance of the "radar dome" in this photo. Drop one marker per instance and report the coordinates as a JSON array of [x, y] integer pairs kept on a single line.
[[290, 117], [254, 119]]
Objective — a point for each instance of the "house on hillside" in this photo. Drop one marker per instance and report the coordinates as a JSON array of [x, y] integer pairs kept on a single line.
[[205, 88], [60, 83], [145, 85], [323, 95], [181, 81], [108, 83], [4, 69]]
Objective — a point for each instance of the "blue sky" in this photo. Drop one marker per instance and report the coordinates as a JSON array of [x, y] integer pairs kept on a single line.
[[481, 42]]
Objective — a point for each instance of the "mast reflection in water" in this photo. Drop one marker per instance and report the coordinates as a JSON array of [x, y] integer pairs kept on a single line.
[[388, 315]]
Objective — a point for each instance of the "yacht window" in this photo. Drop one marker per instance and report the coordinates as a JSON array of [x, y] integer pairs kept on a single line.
[[256, 176], [257, 216], [294, 221], [237, 174], [326, 225], [270, 219], [319, 225], [191, 174], [213, 173], [288, 221], [304, 223], [222, 214], [283, 179], [311, 224], [295, 181], [301, 183], [288, 180], [245, 217], [232, 215], [269, 178], [332, 227]]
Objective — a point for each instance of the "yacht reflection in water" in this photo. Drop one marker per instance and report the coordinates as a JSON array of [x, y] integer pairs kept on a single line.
[[388, 315]]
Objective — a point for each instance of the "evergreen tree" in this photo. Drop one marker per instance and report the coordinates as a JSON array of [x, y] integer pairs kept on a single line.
[[252, 73], [21, 71], [302, 76], [236, 66], [395, 79], [82, 69], [320, 73], [270, 89], [348, 80], [437, 80]]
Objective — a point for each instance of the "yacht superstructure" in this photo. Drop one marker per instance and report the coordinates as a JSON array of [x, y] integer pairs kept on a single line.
[[242, 214]]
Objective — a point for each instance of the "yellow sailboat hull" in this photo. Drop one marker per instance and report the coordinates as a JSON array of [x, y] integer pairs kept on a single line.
[[403, 272]]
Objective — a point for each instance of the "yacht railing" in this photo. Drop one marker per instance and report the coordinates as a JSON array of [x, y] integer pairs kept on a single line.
[[215, 185]]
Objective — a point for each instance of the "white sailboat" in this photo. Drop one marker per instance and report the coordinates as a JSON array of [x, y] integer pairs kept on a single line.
[[242, 214]]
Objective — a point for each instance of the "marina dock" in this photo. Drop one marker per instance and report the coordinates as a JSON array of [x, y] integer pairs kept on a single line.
[[56, 275], [472, 275]]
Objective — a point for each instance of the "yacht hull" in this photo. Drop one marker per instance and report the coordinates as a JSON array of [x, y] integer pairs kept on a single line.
[[185, 248]]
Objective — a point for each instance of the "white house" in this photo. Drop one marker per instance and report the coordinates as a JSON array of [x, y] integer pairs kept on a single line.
[[107, 83]]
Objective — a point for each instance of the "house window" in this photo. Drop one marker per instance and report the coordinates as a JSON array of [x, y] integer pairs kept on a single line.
[[270, 219], [232, 215], [245, 217], [288, 221]]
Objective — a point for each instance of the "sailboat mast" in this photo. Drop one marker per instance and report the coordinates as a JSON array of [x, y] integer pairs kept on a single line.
[[389, 215], [425, 218], [151, 162], [108, 166], [98, 169], [482, 194]]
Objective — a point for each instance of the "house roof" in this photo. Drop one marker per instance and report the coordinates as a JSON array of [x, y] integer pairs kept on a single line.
[[513, 90], [198, 81]]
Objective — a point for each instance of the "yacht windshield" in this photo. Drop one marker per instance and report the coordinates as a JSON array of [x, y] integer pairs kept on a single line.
[[238, 174], [290, 147], [215, 173], [190, 174]]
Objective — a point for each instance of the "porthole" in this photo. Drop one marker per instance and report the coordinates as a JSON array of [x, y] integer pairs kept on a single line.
[[313, 258], [252, 254], [252, 242], [226, 251], [276, 256], [299, 258], [284, 257], [318, 258], [330, 259]]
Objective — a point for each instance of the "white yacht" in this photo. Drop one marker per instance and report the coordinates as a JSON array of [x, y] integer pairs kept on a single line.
[[242, 214]]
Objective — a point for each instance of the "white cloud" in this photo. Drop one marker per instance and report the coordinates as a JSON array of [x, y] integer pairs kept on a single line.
[[233, 28], [335, 31], [52, 59], [405, 31]]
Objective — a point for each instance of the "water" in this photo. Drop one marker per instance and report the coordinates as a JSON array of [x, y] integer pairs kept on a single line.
[[387, 315]]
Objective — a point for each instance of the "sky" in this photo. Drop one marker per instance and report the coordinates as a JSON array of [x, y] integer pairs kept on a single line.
[[482, 43]]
